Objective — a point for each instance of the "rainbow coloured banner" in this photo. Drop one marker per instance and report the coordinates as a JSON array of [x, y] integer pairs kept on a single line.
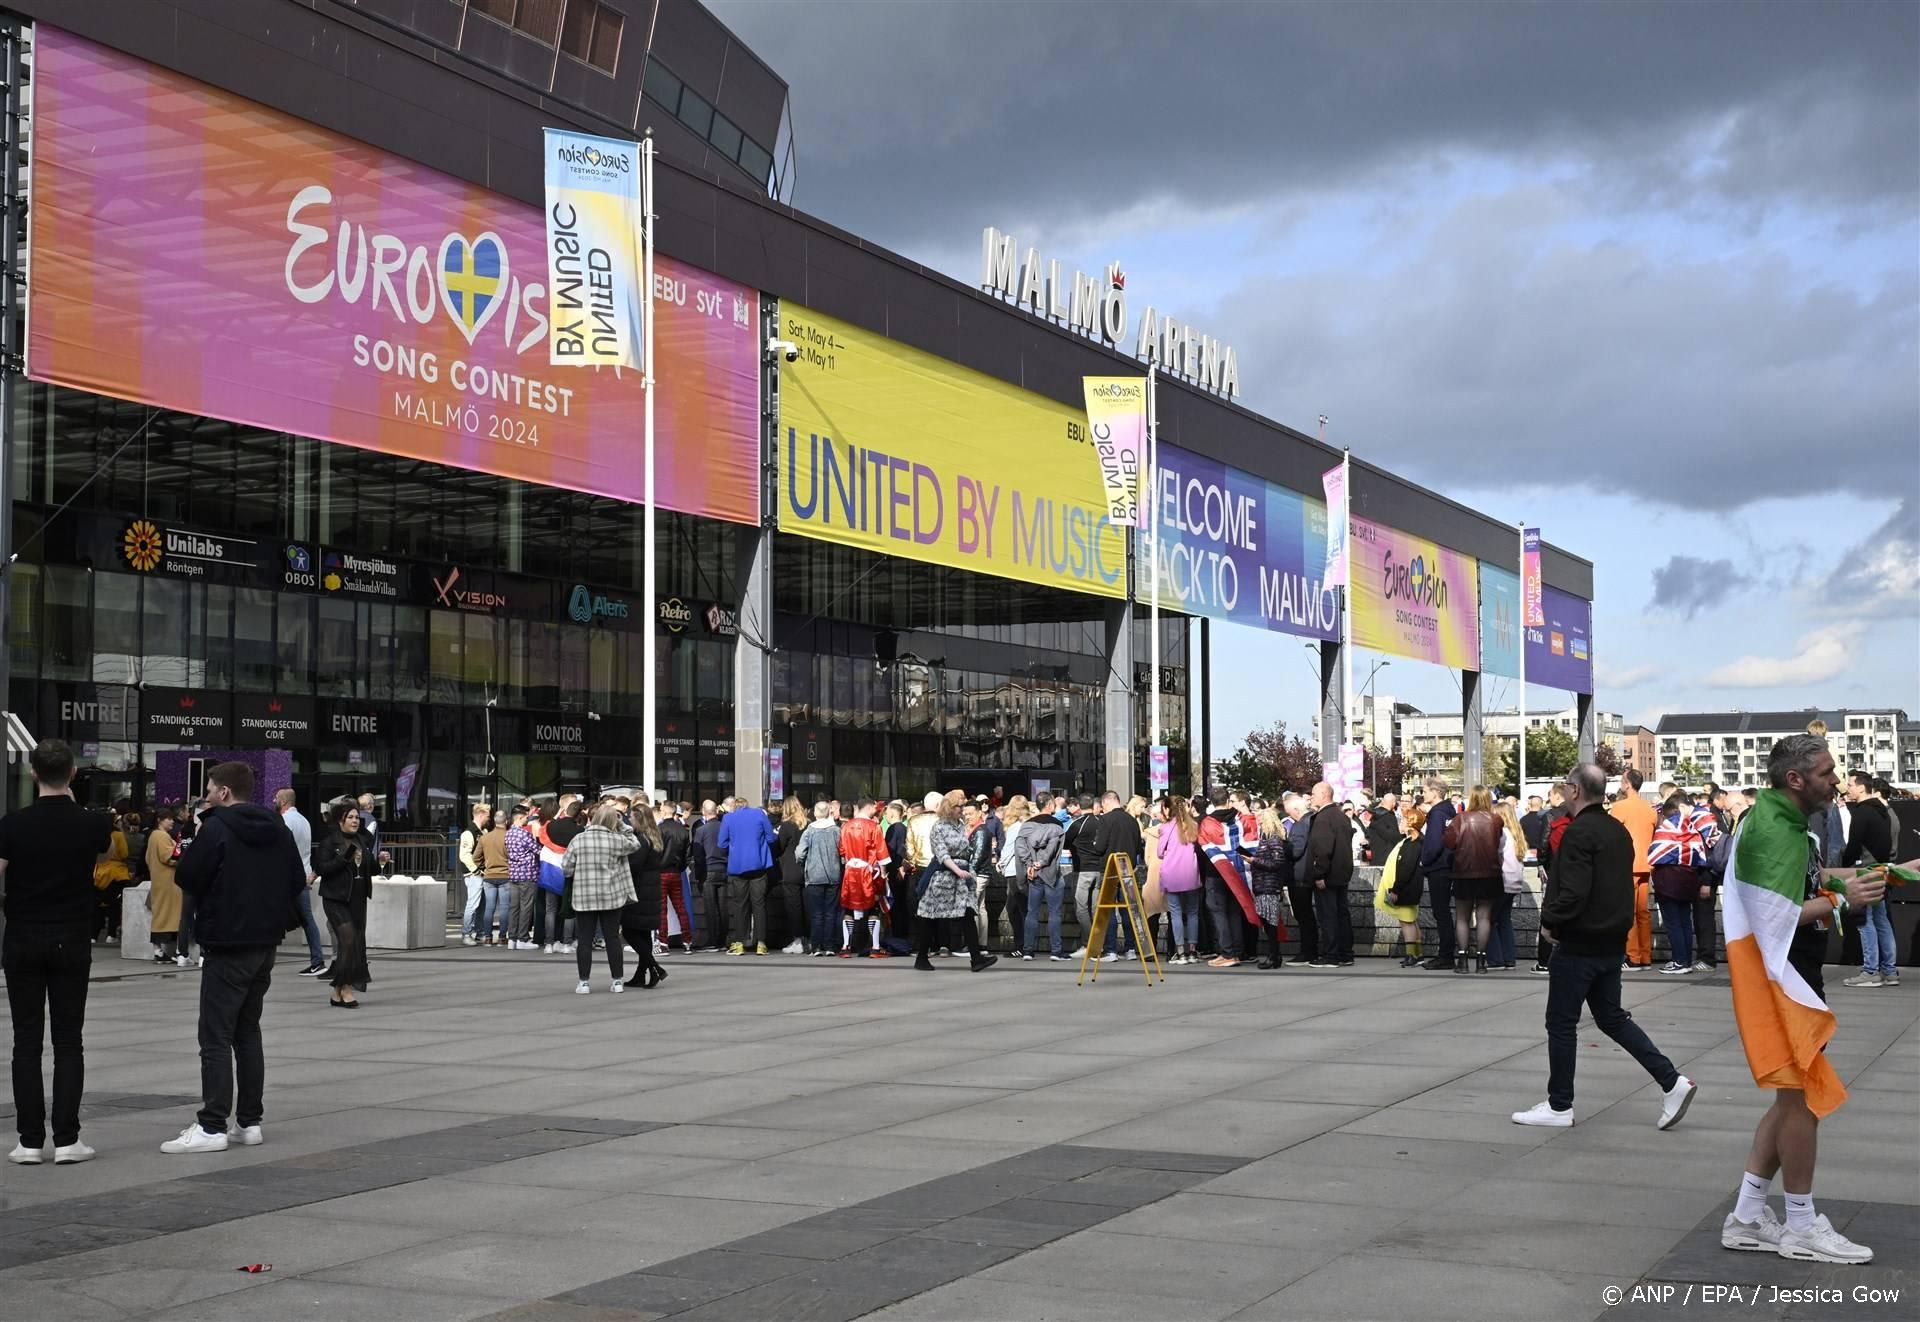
[[1414, 598], [197, 251]]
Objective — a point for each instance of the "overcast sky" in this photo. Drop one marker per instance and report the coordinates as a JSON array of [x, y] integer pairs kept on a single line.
[[1646, 275]]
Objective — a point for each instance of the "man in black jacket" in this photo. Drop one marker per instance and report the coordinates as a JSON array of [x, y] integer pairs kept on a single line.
[[1330, 872], [245, 875], [1436, 864], [1587, 913], [1117, 834], [676, 846]]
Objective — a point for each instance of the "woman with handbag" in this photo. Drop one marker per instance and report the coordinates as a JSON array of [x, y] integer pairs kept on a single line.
[[163, 894], [599, 885], [343, 860], [947, 889], [1398, 896]]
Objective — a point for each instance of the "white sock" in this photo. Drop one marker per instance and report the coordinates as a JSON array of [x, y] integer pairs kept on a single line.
[[873, 933], [1753, 1197], [1800, 1212], [846, 933]]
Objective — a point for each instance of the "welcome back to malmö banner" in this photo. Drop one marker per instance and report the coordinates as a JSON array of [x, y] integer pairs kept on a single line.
[[905, 454], [194, 250]]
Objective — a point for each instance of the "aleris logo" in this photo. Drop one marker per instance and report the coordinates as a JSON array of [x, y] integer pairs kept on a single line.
[[594, 158], [459, 598], [585, 606], [1412, 582]]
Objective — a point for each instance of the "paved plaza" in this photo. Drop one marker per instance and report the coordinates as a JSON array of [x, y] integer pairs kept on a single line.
[[787, 1138]]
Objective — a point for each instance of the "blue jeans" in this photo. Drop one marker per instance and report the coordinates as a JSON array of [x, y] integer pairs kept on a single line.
[[1047, 895], [1878, 952], [1501, 947], [469, 918], [1677, 917], [1183, 917], [314, 955], [1592, 980], [499, 904], [822, 904]]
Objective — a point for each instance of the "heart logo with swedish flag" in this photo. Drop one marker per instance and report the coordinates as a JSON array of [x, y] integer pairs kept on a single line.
[[473, 280]]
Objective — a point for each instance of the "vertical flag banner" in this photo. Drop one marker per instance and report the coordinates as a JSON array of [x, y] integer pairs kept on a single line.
[[593, 287], [1117, 420], [1334, 483], [1157, 769], [1413, 598], [1536, 612]]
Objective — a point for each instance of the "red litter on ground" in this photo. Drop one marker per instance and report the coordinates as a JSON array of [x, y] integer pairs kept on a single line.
[[256, 1267]]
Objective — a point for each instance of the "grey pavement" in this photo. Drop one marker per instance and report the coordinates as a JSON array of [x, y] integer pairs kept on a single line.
[[786, 1138]]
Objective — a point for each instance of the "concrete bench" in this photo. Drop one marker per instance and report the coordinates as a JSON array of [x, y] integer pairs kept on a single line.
[[136, 925], [407, 913]]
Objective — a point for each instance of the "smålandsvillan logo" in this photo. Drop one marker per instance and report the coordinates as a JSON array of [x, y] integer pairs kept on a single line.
[[141, 545]]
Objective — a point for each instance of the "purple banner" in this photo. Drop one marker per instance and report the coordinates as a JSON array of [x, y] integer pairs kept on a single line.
[[1560, 651]]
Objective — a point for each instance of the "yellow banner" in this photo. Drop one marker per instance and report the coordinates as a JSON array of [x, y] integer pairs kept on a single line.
[[899, 452]]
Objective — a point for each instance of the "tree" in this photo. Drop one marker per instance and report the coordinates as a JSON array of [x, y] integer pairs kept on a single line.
[[1690, 774], [1607, 758], [1269, 762], [1551, 751], [1385, 771]]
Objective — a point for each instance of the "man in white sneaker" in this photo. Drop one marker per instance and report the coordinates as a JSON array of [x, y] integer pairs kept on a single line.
[[245, 874], [302, 831], [1587, 913]]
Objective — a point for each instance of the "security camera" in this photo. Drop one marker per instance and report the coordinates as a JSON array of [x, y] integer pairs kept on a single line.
[[787, 349]]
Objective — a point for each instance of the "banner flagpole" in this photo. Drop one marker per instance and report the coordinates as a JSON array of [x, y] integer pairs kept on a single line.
[[649, 639], [1346, 598], [1521, 789], [1153, 592]]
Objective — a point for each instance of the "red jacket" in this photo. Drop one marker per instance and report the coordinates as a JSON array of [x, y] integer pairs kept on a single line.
[[863, 881]]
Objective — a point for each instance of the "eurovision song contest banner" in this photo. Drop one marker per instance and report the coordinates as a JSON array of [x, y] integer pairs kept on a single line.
[[896, 451], [1236, 547], [593, 250], [1117, 426], [197, 251], [1413, 598]]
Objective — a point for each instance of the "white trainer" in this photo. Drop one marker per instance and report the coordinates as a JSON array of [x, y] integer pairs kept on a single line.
[[1109, 958], [249, 1136], [583, 989], [1676, 1101], [793, 947], [195, 1139], [1545, 1116], [22, 1155], [72, 1154], [617, 985], [1078, 954], [1761, 1236], [547, 949], [1822, 1243], [468, 940]]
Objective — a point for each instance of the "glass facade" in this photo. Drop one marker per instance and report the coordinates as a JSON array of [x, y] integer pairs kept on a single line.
[[436, 636]]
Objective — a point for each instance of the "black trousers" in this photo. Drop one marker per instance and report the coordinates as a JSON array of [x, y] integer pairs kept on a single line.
[[793, 911], [923, 932], [1301, 897], [713, 916], [1017, 913], [606, 922], [1703, 932], [1335, 921], [1592, 981], [47, 979], [1440, 900], [638, 926], [233, 988], [747, 907]]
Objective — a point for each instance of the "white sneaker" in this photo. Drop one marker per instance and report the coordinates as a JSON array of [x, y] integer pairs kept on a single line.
[[1862, 980], [1545, 1116], [1670, 967], [1109, 958], [1761, 1236], [582, 989], [1081, 953], [1131, 954], [249, 1136], [572, 947], [195, 1139], [1678, 1099], [199, 961], [794, 948], [547, 949], [22, 1155], [617, 985], [468, 941], [183, 960], [1822, 1243], [72, 1154]]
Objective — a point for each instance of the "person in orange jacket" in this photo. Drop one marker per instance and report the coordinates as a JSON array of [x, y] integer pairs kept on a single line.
[[1637, 815]]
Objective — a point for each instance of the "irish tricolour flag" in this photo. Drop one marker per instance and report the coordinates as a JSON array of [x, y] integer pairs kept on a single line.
[[1783, 1023]]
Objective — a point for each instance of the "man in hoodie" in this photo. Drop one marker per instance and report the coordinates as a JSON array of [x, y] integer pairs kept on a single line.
[[245, 875], [745, 838]]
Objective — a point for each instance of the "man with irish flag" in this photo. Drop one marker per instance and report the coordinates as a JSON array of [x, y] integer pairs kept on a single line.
[[1778, 908]]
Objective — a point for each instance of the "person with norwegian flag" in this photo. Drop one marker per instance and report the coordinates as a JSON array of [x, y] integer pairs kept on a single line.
[[1221, 842]]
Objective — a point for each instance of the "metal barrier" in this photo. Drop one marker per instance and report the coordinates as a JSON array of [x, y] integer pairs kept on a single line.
[[427, 854]]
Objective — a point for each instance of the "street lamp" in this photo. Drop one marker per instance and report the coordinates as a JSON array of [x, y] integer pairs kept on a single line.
[[1372, 728]]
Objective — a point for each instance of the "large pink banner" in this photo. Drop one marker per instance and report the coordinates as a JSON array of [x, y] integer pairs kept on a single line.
[[197, 251]]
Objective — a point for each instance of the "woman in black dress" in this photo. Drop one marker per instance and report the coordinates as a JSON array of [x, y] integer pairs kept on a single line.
[[640, 920], [344, 860]]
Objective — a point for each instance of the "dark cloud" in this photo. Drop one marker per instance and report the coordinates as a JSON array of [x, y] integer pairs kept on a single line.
[[1690, 585], [915, 121], [1876, 577]]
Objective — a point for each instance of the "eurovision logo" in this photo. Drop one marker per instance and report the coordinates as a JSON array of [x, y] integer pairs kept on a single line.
[[1413, 582]]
